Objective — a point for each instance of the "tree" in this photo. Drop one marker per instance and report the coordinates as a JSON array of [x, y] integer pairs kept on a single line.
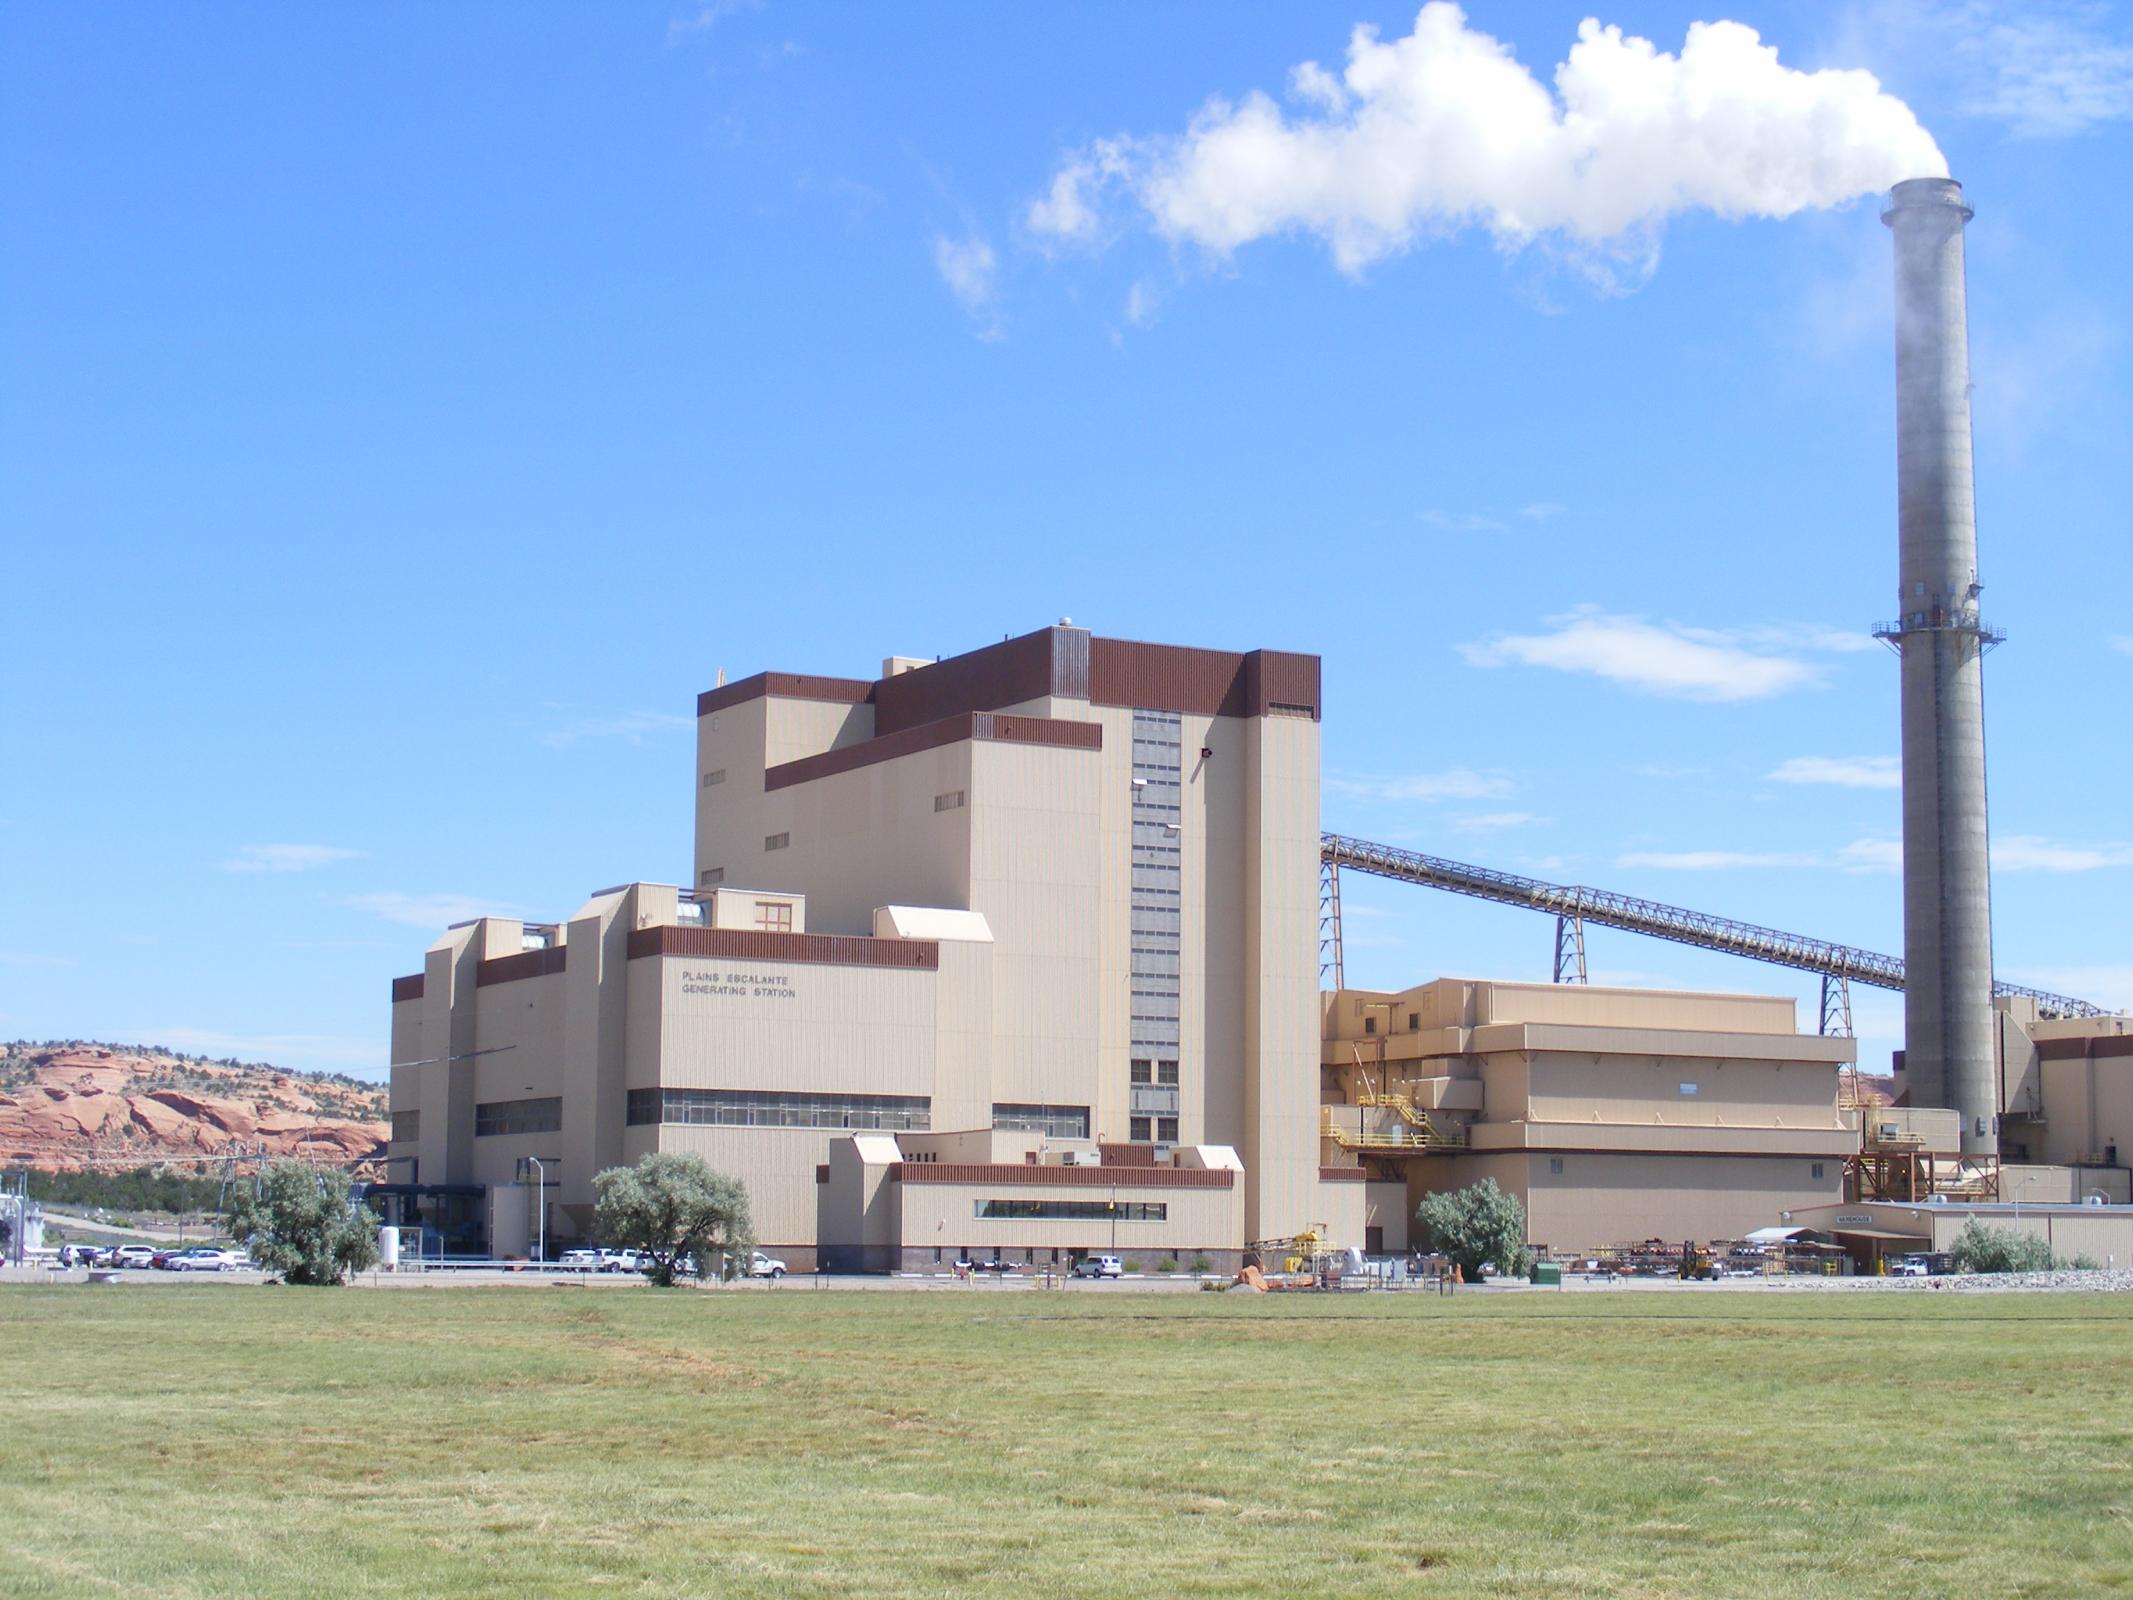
[[301, 1224], [1477, 1224], [1981, 1249], [673, 1206]]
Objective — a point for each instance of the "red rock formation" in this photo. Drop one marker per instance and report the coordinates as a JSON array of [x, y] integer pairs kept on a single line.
[[63, 1107]]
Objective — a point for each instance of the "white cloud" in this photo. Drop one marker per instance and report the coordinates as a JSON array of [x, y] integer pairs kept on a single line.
[[1141, 301], [1461, 522], [2047, 70], [1845, 772], [1665, 659], [1458, 783], [708, 17], [1495, 821], [34, 959], [1442, 129], [632, 726], [970, 269], [2101, 985], [2122, 643], [2025, 852], [1541, 511], [286, 857], [1872, 855], [1713, 860], [433, 911]]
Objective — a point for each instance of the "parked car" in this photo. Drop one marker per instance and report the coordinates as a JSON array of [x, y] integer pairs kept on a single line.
[[1098, 1267], [762, 1266], [133, 1255], [1909, 1267], [201, 1258], [583, 1260]]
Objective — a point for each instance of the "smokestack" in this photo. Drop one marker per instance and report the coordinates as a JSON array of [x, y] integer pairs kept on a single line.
[[1947, 893]]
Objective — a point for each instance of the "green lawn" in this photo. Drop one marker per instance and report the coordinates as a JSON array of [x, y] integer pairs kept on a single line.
[[214, 1440]]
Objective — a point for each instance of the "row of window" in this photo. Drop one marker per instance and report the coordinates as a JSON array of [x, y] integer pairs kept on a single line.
[[1154, 1071], [1071, 1210], [1054, 1122], [770, 1108], [494, 1117], [1163, 1130], [407, 1127]]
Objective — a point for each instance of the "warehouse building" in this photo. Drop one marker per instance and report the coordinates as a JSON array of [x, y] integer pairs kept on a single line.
[[1613, 1114]]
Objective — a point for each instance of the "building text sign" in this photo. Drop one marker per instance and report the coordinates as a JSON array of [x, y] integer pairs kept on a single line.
[[738, 985]]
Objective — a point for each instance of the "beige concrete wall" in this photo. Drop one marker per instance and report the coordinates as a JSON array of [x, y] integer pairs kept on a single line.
[[944, 1214], [775, 1165], [1281, 840], [2088, 1107], [1035, 874], [1726, 1094], [2065, 1186], [1386, 1207], [1341, 1212], [2106, 1237]]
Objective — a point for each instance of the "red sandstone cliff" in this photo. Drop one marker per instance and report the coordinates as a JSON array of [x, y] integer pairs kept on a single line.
[[61, 1104]]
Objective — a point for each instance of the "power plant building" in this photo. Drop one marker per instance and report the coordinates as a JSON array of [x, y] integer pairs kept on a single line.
[[1017, 952], [1015, 955]]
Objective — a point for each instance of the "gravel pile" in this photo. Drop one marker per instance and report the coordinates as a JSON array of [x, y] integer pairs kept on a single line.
[[2066, 1281]]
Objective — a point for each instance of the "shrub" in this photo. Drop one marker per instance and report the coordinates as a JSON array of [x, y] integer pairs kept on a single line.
[[1130, 1265], [671, 1206], [1200, 1263], [1166, 1265], [1981, 1249], [1477, 1224], [2082, 1263], [300, 1223]]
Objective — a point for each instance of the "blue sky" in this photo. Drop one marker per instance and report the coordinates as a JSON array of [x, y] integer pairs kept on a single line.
[[405, 410]]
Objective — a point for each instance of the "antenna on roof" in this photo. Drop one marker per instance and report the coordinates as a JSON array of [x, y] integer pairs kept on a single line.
[[721, 679]]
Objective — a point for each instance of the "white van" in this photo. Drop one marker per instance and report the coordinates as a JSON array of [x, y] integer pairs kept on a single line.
[[1098, 1267]]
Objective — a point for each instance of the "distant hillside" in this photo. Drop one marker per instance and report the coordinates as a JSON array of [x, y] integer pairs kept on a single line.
[[67, 1105]]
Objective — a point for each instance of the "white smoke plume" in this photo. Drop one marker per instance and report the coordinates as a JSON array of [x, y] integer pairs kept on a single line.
[[1443, 130]]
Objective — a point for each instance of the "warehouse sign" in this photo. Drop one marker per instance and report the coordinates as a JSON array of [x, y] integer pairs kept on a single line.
[[1858, 1219], [738, 985]]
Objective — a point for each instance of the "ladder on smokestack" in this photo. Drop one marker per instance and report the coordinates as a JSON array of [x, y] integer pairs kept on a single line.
[[1845, 964]]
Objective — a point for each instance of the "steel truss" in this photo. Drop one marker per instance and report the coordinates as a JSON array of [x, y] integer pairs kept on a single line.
[[1652, 918]]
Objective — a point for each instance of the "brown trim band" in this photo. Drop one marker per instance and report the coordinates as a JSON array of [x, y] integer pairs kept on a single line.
[[784, 686], [985, 725], [2091, 1045], [1065, 662], [408, 988], [1342, 1175], [805, 949], [526, 964], [1063, 1177], [1207, 683]]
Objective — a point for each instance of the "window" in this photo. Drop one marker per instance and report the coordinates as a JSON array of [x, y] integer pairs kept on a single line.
[[1143, 1071], [407, 1126], [518, 1116], [1166, 1130], [1166, 1072], [1555, 1166], [713, 779], [1370, 1024], [1414, 1022], [774, 916], [769, 1108], [1071, 1210], [1057, 1122], [1138, 1130], [1815, 1170], [951, 801], [711, 875], [776, 841]]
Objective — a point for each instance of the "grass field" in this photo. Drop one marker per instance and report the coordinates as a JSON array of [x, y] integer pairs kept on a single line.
[[221, 1441]]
